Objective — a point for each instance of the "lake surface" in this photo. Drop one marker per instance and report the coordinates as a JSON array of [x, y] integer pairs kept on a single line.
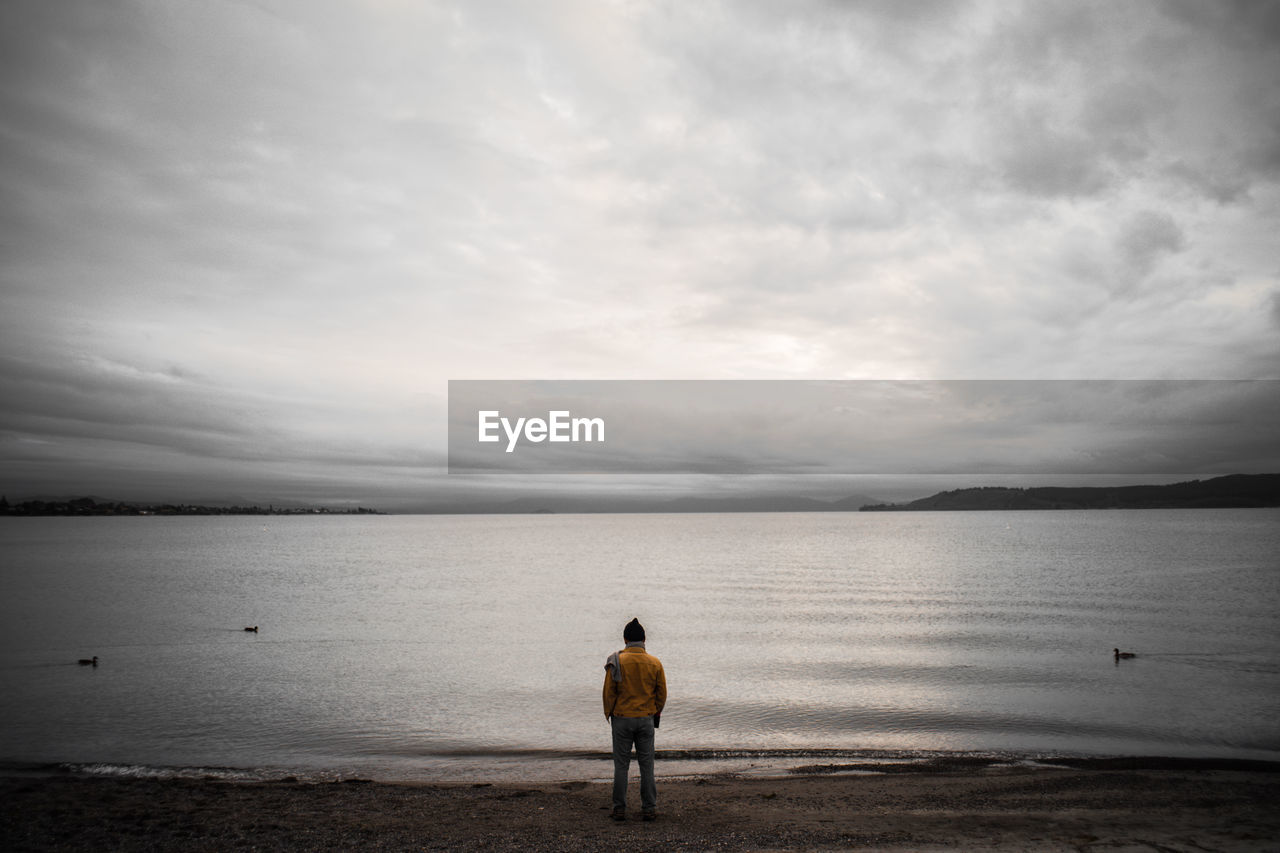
[[464, 647]]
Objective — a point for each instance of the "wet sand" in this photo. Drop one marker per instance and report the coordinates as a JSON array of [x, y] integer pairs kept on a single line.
[[1117, 805]]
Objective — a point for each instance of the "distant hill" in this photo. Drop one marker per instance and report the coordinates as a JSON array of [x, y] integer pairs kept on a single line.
[[1233, 490]]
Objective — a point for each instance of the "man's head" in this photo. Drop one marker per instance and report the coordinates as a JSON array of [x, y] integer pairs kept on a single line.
[[634, 632]]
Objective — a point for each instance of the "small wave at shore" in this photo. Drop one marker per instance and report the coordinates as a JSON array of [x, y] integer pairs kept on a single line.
[[143, 771], [534, 765]]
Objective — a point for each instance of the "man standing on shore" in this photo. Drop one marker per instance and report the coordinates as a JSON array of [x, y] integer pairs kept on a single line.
[[635, 689]]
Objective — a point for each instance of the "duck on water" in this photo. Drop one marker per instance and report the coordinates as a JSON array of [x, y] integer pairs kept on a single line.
[[1120, 654], [88, 661]]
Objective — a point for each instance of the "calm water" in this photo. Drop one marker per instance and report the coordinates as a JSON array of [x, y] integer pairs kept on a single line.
[[465, 647]]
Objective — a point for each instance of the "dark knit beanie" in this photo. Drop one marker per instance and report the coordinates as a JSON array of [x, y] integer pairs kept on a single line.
[[634, 632]]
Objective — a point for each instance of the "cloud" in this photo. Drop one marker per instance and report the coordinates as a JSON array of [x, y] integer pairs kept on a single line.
[[1143, 239], [131, 420], [1041, 160], [316, 214]]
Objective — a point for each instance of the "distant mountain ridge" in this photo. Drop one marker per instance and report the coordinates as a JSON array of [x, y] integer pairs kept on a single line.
[[1230, 491]]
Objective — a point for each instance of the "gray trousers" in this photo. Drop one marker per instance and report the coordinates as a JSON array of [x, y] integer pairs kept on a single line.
[[637, 731]]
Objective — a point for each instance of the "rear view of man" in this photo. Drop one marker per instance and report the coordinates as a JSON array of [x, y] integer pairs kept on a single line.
[[635, 689]]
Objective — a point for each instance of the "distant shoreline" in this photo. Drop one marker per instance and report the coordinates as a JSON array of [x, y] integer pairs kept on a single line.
[[91, 507], [1232, 491]]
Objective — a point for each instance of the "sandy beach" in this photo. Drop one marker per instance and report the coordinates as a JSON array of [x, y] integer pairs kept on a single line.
[[1100, 805]]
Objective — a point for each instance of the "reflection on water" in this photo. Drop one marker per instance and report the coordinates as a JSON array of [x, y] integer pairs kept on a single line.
[[406, 645]]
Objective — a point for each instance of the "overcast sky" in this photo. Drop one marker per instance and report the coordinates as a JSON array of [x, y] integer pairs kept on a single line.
[[246, 244]]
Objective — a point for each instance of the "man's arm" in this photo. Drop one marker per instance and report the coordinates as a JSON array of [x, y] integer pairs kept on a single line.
[[610, 694], [660, 689]]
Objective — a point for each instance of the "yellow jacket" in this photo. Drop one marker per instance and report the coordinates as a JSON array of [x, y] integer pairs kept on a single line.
[[643, 689]]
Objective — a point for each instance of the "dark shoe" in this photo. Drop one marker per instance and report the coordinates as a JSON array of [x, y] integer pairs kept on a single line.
[[650, 815], [619, 814]]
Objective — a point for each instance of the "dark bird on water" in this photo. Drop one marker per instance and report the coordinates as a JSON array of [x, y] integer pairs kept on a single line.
[[1120, 654], [88, 662], [254, 629]]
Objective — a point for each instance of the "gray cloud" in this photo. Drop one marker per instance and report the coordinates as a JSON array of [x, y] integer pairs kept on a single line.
[[1041, 160], [1143, 239], [236, 231]]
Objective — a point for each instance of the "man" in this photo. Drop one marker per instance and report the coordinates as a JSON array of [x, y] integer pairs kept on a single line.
[[635, 689]]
